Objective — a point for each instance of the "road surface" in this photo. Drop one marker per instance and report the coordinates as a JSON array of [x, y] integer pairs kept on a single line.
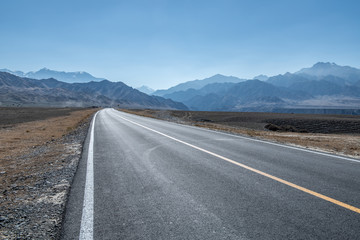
[[142, 178]]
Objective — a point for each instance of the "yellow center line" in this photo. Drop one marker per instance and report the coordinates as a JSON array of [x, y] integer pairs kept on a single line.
[[326, 198]]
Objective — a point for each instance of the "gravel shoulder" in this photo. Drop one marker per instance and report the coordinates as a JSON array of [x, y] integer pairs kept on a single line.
[[38, 160]]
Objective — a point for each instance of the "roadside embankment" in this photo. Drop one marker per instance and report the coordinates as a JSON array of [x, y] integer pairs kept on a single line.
[[38, 159]]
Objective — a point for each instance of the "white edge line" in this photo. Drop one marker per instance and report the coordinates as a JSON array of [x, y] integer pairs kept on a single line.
[[261, 141], [280, 180], [87, 219], [280, 145]]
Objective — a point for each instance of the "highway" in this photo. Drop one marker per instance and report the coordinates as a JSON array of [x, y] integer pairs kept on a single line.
[[142, 178]]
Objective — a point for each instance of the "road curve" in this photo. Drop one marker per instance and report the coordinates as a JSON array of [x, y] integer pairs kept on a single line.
[[152, 179]]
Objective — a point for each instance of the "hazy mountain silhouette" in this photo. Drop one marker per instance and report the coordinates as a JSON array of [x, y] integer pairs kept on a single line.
[[286, 79], [51, 92], [197, 84], [119, 90], [146, 89], [44, 73], [321, 69], [261, 77], [17, 91], [330, 72], [322, 85], [328, 88], [252, 93], [184, 96]]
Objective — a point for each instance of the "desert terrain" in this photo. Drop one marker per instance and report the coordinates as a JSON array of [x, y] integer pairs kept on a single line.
[[39, 152], [338, 134], [40, 149]]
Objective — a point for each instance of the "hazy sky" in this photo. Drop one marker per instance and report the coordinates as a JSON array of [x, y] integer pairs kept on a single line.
[[162, 43]]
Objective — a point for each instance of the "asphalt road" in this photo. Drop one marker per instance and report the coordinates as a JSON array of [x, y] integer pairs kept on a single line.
[[153, 179]]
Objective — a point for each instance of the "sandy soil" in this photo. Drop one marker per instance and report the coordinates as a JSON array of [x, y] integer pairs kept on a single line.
[[38, 160], [338, 134], [17, 139], [14, 115]]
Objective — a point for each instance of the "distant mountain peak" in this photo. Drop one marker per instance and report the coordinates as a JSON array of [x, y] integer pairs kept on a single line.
[[323, 69], [68, 77], [219, 75], [16, 73], [145, 89], [324, 65], [261, 77]]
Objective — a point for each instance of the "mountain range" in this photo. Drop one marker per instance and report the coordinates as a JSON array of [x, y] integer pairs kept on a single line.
[[44, 73], [324, 85], [20, 91], [198, 84]]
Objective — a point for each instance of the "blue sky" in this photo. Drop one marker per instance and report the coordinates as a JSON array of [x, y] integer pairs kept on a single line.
[[162, 43]]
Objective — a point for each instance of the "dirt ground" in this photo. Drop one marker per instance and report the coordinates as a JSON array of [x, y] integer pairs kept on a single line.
[[14, 115], [39, 152], [25, 128], [338, 134], [40, 149]]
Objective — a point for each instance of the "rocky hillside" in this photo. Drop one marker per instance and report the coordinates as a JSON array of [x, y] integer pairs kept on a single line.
[[18, 91]]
